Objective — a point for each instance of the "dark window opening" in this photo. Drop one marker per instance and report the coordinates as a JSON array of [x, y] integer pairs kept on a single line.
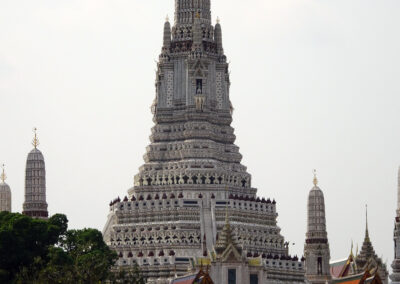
[[231, 276], [199, 86], [253, 279], [319, 265]]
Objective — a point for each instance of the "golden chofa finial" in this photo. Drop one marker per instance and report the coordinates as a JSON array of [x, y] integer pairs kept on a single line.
[[35, 141], [3, 176], [351, 250], [315, 181]]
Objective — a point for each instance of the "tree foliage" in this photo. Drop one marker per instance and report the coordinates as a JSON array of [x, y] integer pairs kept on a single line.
[[23, 240], [45, 251]]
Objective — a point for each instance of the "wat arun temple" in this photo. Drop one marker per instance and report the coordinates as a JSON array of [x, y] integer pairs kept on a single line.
[[193, 210]]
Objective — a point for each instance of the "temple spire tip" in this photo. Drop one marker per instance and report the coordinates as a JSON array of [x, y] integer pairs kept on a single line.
[[366, 222], [315, 181], [3, 176], [35, 141]]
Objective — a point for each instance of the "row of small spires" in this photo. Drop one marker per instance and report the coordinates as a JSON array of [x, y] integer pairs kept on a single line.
[[149, 229], [141, 198], [249, 255], [172, 196], [151, 254], [246, 198]]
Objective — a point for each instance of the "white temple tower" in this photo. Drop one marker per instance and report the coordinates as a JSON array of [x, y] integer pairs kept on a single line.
[[35, 204], [192, 171], [5, 193], [316, 249], [395, 276]]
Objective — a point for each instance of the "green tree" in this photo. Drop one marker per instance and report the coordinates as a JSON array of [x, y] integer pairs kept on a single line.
[[44, 252], [92, 259], [24, 242]]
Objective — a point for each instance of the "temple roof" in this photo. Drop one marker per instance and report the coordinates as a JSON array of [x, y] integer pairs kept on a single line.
[[353, 279], [342, 268], [367, 251], [226, 239], [202, 277], [361, 278]]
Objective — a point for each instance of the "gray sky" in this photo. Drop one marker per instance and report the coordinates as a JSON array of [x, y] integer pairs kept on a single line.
[[314, 85]]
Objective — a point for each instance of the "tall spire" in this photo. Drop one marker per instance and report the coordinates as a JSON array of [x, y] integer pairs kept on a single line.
[[35, 141], [218, 37], [367, 249], [167, 34], [3, 176], [5, 193], [35, 204], [316, 248], [367, 256], [366, 223]]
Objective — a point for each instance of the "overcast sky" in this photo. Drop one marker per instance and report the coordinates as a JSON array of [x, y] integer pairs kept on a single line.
[[315, 84]]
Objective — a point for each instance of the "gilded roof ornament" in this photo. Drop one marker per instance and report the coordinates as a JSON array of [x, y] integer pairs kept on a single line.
[[218, 20], [351, 251], [3, 176], [315, 181], [35, 141], [167, 18]]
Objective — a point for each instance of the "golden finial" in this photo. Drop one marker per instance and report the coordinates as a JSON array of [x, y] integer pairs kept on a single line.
[[218, 20], [35, 141], [315, 181], [3, 174], [197, 15], [352, 246], [167, 19]]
